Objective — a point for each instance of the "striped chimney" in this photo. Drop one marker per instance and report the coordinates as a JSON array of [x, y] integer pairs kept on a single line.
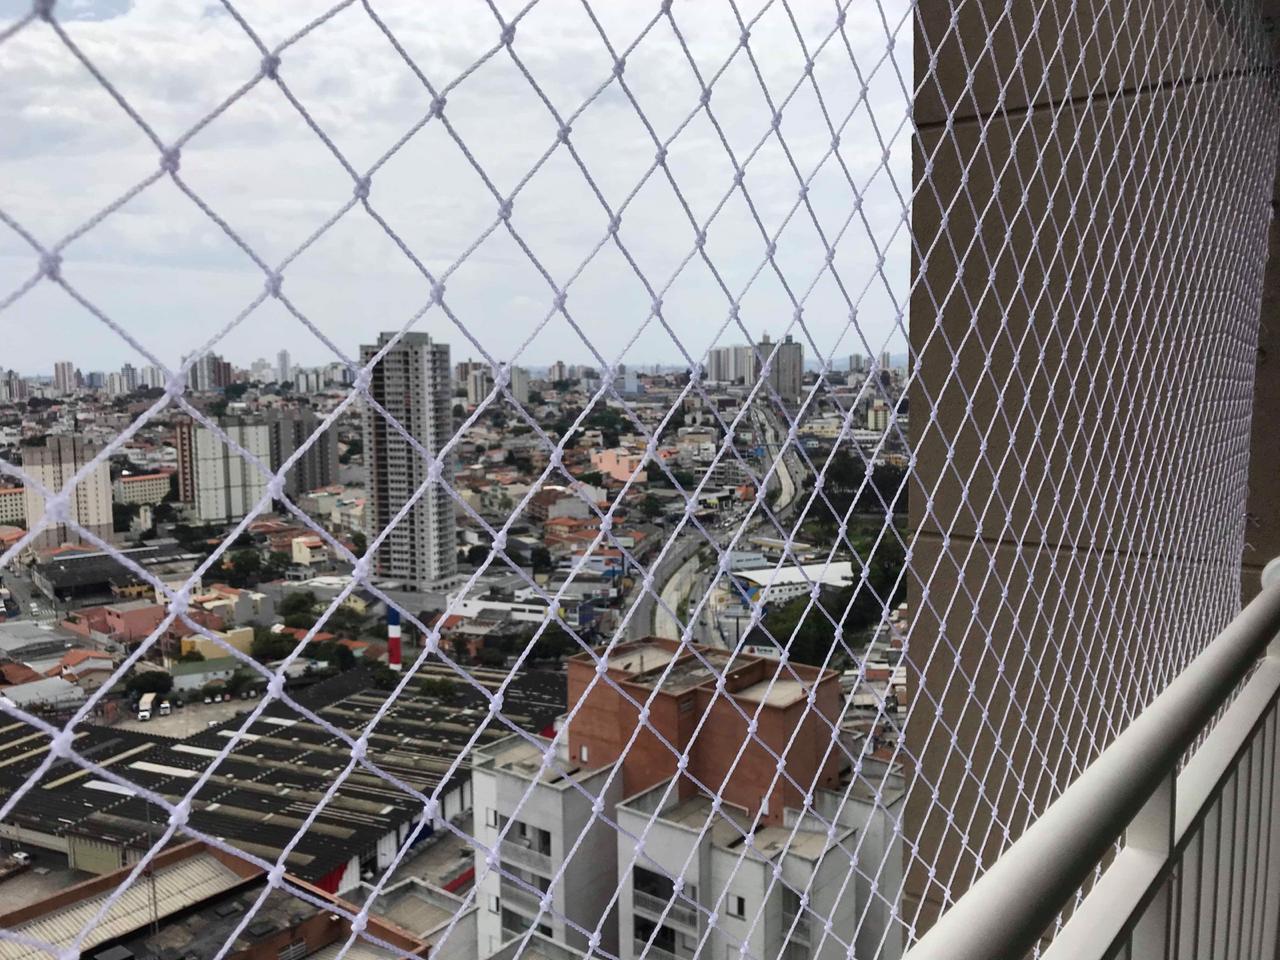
[[393, 640]]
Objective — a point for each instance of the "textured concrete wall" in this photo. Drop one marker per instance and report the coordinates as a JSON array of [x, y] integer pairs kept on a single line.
[[1092, 183]]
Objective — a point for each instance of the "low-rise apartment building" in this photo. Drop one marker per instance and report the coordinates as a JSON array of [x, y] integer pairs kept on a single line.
[[708, 782]]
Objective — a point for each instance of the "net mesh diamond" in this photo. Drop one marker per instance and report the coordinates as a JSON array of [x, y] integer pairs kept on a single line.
[[809, 626]]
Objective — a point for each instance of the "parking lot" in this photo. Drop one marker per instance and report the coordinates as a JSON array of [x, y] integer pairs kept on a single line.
[[192, 718]]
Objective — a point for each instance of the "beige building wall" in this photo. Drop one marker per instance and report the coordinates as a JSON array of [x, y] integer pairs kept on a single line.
[[53, 465], [1089, 218], [13, 511]]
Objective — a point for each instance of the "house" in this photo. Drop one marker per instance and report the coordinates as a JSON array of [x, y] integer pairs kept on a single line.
[[201, 673], [87, 669], [48, 692], [239, 638]]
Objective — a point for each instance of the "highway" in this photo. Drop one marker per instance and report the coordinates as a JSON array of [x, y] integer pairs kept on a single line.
[[676, 577]]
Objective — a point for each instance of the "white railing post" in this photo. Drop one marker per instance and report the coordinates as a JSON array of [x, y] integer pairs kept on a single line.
[[1152, 831]]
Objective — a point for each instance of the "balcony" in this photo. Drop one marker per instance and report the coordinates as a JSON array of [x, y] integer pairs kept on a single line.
[[1190, 800], [514, 852], [663, 910], [519, 899], [654, 952], [795, 927]]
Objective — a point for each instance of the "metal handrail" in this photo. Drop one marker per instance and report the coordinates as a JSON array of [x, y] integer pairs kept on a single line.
[[1011, 906]]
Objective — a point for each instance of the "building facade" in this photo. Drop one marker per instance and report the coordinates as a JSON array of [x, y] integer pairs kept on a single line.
[[142, 488], [13, 511], [412, 384], [318, 465], [216, 480], [53, 464], [785, 361]]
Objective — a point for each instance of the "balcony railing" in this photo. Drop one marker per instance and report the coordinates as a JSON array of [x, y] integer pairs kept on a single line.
[[1197, 875], [653, 951], [675, 913], [795, 928], [519, 899], [515, 853]]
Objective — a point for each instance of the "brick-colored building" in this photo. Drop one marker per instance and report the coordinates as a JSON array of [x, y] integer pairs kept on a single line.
[[786, 726]]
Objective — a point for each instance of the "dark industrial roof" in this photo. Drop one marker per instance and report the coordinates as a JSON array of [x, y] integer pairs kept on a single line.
[[262, 792]]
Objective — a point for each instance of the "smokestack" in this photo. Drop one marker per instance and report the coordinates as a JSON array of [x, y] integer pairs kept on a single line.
[[393, 639]]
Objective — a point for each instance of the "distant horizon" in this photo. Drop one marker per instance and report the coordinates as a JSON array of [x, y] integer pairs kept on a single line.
[[895, 357]]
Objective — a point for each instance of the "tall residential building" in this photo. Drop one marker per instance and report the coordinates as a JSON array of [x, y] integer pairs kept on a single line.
[[184, 442], [210, 372], [732, 364], [557, 371], [283, 369], [318, 466], [64, 377], [786, 366], [53, 463], [520, 384], [153, 377], [129, 374], [412, 383], [220, 483], [479, 383], [886, 360], [800, 838], [859, 363], [12, 386]]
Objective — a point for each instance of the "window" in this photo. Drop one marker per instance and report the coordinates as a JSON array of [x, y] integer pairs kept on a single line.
[[582, 753], [495, 905], [491, 817], [738, 907]]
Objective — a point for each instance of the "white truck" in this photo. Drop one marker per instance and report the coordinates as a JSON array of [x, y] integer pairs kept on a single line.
[[145, 705]]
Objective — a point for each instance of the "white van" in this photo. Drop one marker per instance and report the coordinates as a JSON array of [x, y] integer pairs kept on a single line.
[[165, 708]]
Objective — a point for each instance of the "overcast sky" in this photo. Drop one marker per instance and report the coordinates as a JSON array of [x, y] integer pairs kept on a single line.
[[162, 269]]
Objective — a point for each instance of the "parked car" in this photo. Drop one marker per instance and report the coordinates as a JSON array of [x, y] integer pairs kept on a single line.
[[208, 699], [22, 857]]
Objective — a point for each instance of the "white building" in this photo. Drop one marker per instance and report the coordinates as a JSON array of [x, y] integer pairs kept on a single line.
[[479, 383], [283, 368], [64, 377], [53, 464], [520, 384], [776, 914], [542, 831], [142, 488], [226, 485], [412, 383]]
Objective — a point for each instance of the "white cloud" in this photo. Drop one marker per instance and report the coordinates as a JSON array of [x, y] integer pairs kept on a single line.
[[165, 271]]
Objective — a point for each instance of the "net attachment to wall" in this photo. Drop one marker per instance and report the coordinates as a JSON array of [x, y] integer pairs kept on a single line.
[[860, 619]]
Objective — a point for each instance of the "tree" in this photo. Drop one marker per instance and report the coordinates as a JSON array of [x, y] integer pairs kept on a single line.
[[359, 543], [300, 621], [245, 568], [276, 565], [540, 560], [383, 677], [477, 555], [149, 681], [268, 646], [355, 447], [441, 688], [304, 601], [122, 515], [553, 643], [191, 656], [651, 506]]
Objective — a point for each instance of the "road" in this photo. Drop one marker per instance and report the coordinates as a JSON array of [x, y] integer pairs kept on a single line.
[[25, 593], [676, 576]]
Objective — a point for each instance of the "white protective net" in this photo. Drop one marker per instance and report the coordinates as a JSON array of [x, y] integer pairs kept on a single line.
[[716, 644]]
